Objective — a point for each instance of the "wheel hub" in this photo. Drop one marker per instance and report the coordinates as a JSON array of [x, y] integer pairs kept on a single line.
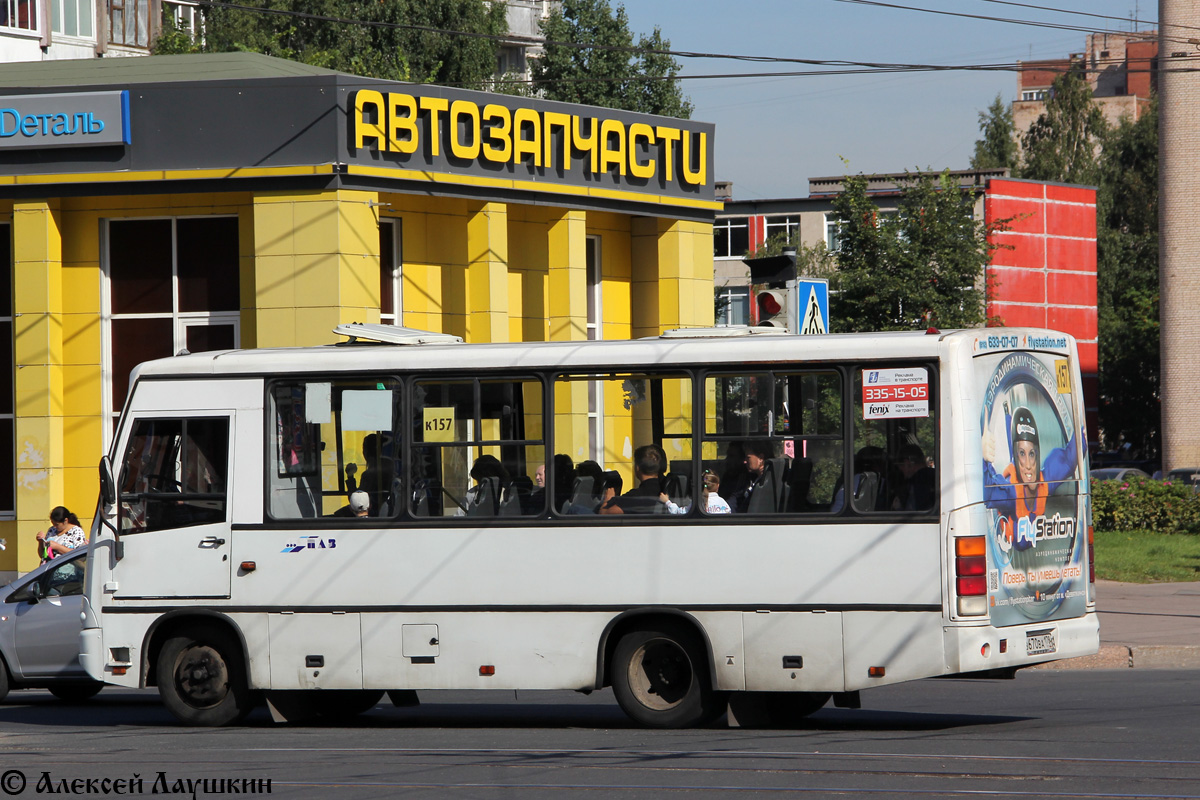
[[201, 676]]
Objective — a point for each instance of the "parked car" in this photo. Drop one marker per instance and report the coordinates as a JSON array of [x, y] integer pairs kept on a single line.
[[1118, 474], [1188, 475], [39, 630]]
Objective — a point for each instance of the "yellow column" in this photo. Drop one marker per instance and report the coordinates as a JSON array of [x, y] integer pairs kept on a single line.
[[38, 388], [316, 265], [672, 275], [567, 240], [487, 273]]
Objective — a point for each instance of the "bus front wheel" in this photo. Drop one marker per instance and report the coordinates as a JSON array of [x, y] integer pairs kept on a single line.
[[202, 679], [660, 678]]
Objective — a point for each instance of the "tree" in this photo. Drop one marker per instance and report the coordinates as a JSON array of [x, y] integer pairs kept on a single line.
[[998, 147], [610, 71], [1063, 142], [922, 266], [1127, 284], [371, 50]]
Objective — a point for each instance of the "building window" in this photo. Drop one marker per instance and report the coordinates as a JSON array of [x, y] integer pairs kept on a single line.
[[8, 462], [72, 17], [129, 23], [833, 233], [171, 285], [731, 237], [19, 14], [1035, 94], [733, 305], [789, 226], [185, 17], [391, 294]]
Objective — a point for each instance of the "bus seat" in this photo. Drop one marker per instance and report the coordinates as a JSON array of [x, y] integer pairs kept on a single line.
[[768, 491], [584, 495], [798, 483], [487, 498]]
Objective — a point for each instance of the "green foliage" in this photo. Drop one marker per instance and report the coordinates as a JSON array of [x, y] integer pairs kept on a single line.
[[634, 80], [369, 50], [1141, 556], [1061, 144], [1162, 506], [998, 147], [1127, 284], [922, 266], [174, 38]]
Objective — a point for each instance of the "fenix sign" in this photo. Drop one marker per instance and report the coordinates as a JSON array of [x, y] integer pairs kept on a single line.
[[459, 132], [86, 119]]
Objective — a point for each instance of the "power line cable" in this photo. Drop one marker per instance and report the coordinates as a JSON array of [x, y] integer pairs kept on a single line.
[[987, 18]]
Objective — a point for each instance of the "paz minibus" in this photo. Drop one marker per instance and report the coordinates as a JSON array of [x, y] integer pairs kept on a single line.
[[903, 505]]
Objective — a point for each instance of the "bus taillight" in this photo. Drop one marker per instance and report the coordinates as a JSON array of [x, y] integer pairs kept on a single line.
[[970, 575], [1091, 555]]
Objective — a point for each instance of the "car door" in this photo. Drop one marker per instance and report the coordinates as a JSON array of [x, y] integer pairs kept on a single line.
[[47, 624]]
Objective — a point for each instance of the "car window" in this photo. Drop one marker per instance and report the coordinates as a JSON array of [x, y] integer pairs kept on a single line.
[[65, 579]]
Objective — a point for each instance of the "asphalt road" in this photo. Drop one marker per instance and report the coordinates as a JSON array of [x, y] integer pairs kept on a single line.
[[1072, 733]]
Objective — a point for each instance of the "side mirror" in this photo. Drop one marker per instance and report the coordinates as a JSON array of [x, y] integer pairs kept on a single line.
[[108, 486]]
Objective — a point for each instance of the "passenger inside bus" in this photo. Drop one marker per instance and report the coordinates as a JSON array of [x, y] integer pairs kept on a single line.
[[376, 479], [359, 506], [735, 478], [763, 479], [913, 481], [647, 466]]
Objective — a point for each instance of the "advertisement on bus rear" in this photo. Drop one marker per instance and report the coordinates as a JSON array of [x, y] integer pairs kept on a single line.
[[1031, 483]]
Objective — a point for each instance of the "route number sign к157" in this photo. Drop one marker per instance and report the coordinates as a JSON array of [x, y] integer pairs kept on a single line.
[[894, 393]]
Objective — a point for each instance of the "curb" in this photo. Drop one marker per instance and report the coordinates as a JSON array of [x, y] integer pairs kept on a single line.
[[1146, 656]]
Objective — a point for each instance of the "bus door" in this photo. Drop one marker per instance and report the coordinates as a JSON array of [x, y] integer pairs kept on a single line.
[[173, 513]]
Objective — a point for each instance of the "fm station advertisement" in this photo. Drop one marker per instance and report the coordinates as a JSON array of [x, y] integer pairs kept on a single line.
[[1029, 447]]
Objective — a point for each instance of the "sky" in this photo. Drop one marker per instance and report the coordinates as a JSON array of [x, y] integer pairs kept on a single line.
[[773, 134]]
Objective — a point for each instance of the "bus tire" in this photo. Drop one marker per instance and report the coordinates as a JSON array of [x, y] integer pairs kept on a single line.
[[336, 705], [202, 678], [660, 678]]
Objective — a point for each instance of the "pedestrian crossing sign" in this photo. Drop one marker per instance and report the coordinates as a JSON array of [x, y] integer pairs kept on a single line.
[[814, 305]]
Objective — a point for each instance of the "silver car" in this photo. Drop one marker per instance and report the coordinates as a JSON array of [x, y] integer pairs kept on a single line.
[[39, 630]]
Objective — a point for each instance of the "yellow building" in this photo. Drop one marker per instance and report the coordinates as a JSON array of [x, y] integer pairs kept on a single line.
[[154, 205]]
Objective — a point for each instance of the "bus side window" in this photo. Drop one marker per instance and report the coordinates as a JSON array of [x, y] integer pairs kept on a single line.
[[895, 427], [329, 438], [173, 474], [775, 439], [476, 448]]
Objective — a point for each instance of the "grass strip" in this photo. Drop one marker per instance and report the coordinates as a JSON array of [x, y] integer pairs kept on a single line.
[[1141, 556]]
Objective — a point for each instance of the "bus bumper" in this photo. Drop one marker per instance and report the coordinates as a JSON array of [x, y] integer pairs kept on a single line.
[[91, 652], [983, 647]]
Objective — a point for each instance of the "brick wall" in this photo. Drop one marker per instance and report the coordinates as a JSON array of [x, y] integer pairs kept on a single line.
[[1044, 275]]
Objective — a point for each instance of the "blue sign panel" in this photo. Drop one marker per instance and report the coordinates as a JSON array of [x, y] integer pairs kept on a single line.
[[812, 297], [70, 119]]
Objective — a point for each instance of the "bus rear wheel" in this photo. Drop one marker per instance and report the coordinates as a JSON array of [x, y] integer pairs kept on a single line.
[[202, 679], [660, 678]]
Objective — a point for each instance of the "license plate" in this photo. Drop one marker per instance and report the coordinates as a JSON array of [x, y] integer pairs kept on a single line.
[[1039, 643]]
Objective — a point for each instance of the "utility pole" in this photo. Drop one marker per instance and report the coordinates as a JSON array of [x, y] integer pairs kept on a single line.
[[1178, 234]]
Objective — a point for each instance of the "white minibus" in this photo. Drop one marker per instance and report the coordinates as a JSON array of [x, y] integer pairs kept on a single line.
[[713, 519]]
